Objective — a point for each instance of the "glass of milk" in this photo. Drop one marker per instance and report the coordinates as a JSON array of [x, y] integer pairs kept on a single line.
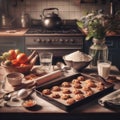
[[46, 60], [103, 67]]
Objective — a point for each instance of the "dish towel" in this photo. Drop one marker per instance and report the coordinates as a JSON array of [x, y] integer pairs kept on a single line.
[[111, 100]]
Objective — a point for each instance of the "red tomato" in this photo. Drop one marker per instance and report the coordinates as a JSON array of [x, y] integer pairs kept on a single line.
[[15, 62], [23, 65], [12, 54], [22, 58]]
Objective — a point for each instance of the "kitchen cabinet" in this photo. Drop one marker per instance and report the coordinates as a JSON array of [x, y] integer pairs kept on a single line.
[[113, 43], [11, 42]]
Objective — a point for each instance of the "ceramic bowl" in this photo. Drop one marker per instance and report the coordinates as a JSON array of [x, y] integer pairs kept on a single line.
[[29, 103], [14, 78], [77, 65]]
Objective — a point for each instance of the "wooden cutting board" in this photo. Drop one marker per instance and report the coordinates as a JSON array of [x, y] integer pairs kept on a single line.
[[35, 81]]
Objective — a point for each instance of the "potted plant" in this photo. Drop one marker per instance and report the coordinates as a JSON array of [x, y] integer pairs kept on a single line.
[[94, 25]]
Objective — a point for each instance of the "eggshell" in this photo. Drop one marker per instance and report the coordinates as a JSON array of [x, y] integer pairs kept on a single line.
[[22, 93]]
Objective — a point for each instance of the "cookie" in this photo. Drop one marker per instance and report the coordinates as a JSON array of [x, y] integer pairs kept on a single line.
[[89, 93], [70, 101], [79, 97], [74, 81], [77, 91], [80, 78], [100, 87], [56, 88], [66, 84], [46, 92], [65, 96], [88, 81], [55, 95], [91, 84], [86, 88], [66, 91], [77, 85]]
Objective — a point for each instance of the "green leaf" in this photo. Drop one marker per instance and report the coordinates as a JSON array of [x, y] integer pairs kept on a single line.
[[80, 24], [88, 37]]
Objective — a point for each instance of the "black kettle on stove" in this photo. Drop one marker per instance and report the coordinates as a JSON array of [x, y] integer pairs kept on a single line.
[[50, 18]]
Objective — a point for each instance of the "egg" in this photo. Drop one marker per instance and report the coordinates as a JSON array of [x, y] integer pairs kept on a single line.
[[22, 93]]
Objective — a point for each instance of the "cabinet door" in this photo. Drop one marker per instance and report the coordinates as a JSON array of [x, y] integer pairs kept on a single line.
[[7, 43], [114, 48], [114, 57]]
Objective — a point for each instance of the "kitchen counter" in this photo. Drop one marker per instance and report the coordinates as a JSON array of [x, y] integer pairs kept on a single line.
[[110, 34], [21, 32], [46, 110], [15, 32]]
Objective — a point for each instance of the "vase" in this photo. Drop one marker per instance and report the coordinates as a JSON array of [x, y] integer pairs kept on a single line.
[[99, 51]]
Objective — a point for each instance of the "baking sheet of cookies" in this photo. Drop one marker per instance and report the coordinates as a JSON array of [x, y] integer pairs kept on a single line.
[[74, 90]]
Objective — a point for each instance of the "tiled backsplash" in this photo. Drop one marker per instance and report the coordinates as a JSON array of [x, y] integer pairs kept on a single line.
[[68, 9]]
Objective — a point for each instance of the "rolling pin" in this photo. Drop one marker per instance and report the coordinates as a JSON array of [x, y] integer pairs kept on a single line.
[[48, 77]]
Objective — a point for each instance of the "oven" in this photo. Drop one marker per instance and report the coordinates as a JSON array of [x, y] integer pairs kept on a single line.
[[60, 41]]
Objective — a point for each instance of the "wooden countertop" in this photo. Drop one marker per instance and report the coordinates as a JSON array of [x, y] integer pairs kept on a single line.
[[45, 107], [17, 32]]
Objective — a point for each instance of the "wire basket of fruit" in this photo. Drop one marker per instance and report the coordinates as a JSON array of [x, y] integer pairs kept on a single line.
[[17, 61]]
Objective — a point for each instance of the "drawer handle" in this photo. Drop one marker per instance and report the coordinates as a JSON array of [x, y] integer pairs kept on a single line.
[[8, 44]]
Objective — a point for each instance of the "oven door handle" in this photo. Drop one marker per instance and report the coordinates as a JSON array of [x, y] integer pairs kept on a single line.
[[49, 48]]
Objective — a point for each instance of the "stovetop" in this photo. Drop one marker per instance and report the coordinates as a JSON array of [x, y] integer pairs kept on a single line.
[[68, 27], [61, 30]]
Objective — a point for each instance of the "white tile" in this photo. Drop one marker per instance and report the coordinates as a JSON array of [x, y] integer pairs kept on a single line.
[[68, 9], [63, 8], [65, 15], [35, 15], [28, 1]]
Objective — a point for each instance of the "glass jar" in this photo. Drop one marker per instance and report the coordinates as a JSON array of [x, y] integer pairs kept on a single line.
[[25, 20], [98, 51]]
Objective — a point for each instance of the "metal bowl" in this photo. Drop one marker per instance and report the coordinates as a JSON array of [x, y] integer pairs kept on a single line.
[[77, 65]]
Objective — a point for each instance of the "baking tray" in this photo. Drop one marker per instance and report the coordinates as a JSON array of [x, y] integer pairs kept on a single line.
[[108, 87]]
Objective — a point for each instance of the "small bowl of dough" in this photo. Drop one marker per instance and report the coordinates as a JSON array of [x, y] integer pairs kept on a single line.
[[77, 60], [29, 103]]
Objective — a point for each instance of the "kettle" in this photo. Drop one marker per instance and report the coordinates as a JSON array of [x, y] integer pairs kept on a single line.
[[51, 20]]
